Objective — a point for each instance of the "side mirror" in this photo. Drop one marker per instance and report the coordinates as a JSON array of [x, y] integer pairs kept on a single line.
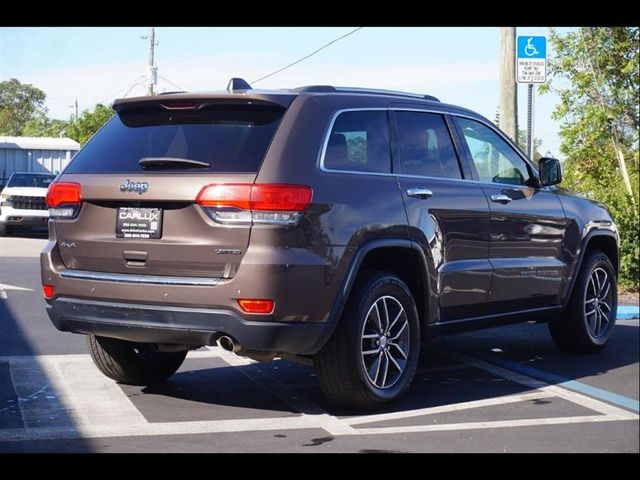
[[550, 171]]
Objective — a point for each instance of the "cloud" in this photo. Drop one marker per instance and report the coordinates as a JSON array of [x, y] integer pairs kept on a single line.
[[91, 84]]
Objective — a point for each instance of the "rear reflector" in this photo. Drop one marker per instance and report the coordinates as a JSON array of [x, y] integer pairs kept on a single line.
[[48, 291], [264, 307], [256, 197], [64, 193]]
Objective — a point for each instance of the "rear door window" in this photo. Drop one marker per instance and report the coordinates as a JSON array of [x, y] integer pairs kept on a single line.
[[359, 141], [425, 146], [229, 138]]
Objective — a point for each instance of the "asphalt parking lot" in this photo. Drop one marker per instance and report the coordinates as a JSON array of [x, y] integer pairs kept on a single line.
[[500, 390]]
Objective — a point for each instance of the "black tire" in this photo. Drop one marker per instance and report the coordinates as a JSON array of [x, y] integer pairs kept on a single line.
[[341, 366], [133, 363], [4, 231], [573, 331]]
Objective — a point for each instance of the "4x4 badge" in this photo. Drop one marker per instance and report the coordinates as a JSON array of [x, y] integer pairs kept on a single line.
[[129, 186]]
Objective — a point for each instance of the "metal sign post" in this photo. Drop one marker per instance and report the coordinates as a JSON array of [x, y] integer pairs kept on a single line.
[[531, 69], [530, 114]]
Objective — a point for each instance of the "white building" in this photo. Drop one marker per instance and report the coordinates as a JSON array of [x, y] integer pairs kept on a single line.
[[34, 154]]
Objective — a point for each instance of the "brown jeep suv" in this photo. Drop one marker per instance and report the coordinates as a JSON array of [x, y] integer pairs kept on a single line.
[[338, 226]]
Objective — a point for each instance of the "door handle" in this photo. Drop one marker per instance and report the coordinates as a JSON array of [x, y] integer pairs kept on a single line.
[[423, 193], [500, 198]]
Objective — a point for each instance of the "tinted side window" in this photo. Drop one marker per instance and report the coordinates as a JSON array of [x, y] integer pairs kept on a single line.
[[359, 141], [494, 159], [425, 146]]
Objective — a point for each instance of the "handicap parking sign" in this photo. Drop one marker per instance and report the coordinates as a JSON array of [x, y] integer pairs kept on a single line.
[[532, 59], [532, 47]]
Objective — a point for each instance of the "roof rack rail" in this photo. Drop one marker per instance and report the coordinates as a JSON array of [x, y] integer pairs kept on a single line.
[[315, 89], [332, 89], [172, 92]]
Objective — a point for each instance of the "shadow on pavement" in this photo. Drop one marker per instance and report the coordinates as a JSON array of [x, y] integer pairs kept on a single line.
[[25, 390], [438, 381]]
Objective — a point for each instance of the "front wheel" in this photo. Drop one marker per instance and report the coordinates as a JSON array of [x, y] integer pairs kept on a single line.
[[588, 321], [133, 363], [371, 358]]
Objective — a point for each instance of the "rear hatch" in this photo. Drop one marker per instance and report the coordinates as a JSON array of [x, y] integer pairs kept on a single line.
[[140, 176]]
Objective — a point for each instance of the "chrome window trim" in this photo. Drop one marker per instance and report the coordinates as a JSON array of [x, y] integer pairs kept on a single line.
[[438, 111], [139, 279]]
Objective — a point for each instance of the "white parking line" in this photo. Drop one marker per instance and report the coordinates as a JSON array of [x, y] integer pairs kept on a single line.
[[96, 407], [159, 428], [323, 419], [100, 402], [611, 411], [530, 422], [629, 323], [456, 407]]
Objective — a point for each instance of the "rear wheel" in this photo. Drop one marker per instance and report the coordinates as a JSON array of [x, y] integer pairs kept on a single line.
[[371, 358], [588, 321], [133, 363]]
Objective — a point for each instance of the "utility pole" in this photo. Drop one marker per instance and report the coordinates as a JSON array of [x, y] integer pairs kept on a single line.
[[508, 87], [153, 70], [75, 104]]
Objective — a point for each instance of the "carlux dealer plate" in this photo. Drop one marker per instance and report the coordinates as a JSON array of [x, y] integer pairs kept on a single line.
[[139, 223]]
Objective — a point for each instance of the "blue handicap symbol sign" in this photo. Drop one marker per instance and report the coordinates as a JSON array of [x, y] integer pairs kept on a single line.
[[532, 47]]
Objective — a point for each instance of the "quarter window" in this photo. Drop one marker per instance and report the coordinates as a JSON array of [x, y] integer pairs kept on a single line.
[[359, 141], [425, 146], [494, 159]]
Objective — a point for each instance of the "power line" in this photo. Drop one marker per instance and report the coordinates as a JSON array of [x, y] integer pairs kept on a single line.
[[196, 43], [131, 88], [122, 88], [309, 55], [173, 83]]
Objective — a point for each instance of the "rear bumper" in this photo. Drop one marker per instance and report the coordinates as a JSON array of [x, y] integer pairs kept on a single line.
[[188, 326]]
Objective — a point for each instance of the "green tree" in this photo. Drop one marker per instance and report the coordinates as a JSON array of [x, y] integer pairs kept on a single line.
[[522, 139], [595, 71], [19, 103], [522, 143], [89, 122], [45, 127]]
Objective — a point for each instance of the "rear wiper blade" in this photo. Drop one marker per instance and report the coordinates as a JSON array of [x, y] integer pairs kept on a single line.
[[171, 162]]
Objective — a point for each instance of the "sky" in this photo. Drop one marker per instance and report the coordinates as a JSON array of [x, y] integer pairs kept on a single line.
[[99, 64]]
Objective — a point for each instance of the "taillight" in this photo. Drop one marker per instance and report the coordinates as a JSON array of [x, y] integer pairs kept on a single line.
[[264, 307], [64, 199], [257, 203], [48, 291]]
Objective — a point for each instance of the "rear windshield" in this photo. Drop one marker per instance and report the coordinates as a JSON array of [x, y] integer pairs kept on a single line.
[[26, 180], [228, 138]]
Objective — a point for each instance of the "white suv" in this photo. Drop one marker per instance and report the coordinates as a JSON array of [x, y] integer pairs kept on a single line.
[[22, 201]]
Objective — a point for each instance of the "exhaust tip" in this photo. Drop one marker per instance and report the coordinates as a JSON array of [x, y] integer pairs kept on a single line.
[[229, 344]]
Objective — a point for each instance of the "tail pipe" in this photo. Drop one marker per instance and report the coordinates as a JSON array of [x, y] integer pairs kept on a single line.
[[229, 344]]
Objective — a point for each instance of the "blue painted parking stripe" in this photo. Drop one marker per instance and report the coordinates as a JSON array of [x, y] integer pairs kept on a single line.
[[574, 385], [628, 311]]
